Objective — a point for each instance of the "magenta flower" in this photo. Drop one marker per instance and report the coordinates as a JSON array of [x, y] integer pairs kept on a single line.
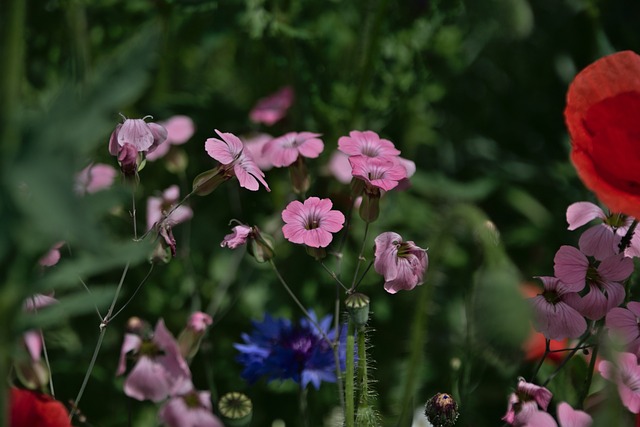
[[160, 370], [179, 130], [254, 144], [273, 108], [626, 373], [601, 240], [94, 178], [238, 237], [284, 151], [552, 315], [311, 223], [402, 264], [624, 324], [525, 402], [157, 207], [143, 136], [192, 409], [602, 280], [229, 151], [381, 173], [367, 144]]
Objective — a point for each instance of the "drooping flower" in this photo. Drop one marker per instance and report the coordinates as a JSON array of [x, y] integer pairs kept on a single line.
[[377, 173], [31, 408], [311, 223], [368, 144], [94, 178], [602, 240], [272, 108], [229, 151], [403, 264], [192, 409], [525, 402], [160, 370], [238, 237], [278, 350], [283, 151], [626, 374], [624, 324], [144, 137], [604, 291], [179, 130], [603, 103]]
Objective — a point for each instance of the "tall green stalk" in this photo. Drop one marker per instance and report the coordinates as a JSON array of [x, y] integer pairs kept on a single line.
[[349, 376]]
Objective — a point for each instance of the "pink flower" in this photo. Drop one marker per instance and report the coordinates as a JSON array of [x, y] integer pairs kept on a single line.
[[160, 370], [603, 290], [143, 136], [52, 257], [402, 264], [601, 240], [179, 130], [229, 152], [525, 402], [311, 223], [284, 151], [199, 322], [94, 178], [191, 336], [157, 207], [627, 375], [380, 173], [567, 417], [193, 409], [552, 315], [254, 144], [366, 143], [624, 323], [237, 238], [340, 167], [273, 108]]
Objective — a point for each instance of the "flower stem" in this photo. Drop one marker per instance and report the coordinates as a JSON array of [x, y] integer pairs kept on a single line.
[[303, 406], [587, 382], [566, 360], [349, 376], [544, 356], [363, 379], [360, 258]]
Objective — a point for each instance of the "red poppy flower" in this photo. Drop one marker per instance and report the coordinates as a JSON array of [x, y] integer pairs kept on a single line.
[[30, 408], [603, 106]]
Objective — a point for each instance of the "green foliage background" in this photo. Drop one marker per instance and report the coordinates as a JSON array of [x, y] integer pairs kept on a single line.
[[472, 91]]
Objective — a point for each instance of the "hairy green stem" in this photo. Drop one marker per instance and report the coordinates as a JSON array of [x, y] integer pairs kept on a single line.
[[363, 378], [349, 414]]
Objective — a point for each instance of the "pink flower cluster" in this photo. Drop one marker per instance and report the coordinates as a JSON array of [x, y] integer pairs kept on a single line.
[[161, 373], [588, 280]]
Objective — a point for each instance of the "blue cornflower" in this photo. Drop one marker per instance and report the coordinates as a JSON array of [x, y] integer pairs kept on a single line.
[[280, 350]]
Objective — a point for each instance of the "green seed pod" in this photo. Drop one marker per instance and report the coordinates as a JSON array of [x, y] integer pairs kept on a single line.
[[236, 409], [358, 307]]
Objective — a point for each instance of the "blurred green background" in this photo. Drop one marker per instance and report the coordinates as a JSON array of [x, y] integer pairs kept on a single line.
[[472, 91]]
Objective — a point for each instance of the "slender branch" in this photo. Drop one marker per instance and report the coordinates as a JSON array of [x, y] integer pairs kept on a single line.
[[134, 293], [133, 212], [363, 275], [587, 381], [89, 292], [360, 258], [566, 360], [334, 276], [88, 374], [349, 376], [544, 356]]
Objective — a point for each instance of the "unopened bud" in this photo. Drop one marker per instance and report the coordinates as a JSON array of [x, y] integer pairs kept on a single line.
[[299, 176], [236, 409], [261, 245], [191, 336], [370, 207], [441, 410]]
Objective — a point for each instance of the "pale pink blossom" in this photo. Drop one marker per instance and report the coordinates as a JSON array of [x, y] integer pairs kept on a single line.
[[624, 324], [340, 167], [179, 130], [368, 144], [229, 151], [626, 374], [311, 223], [192, 409], [285, 150], [272, 108], [238, 237], [94, 178], [403, 264], [144, 137], [52, 257], [380, 173], [602, 240], [158, 207], [552, 315], [199, 322], [254, 144], [567, 417], [160, 370], [525, 402]]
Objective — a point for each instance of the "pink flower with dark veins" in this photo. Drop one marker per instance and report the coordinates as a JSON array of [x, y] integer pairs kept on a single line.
[[626, 374], [624, 324], [403, 264], [380, 173], [311, 223], [284, 151], [552, 315], [160, 370], [525, 402], [368, 144], [272, 108], [229, 151], [143, 136]]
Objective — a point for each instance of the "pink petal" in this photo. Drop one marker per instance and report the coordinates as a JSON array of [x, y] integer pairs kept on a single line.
[[569, 417], [312, 145], [580, 213], [593, 305], [570, 266], [616, 268], [599, 241], [147, 381], [179, 129], [154, 211], [539, 419], [33, 342], [317, 238], [137, 133], [131, 342], [622, 322], [333, 221], [340, 167]]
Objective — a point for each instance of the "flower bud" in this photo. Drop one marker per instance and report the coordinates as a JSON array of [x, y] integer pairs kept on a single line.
[[261, 245], [236, 409], [299, 176], [370, 206], [358, 308], [191, 336], [441, 410]]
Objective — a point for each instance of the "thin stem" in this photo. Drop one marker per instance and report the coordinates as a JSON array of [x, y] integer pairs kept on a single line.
[[134, 293], [107, 317], [89, 292], [587, 381], [334, 276], [46, 360], [336, 347], [349, 377], [304, 415], [168, 214], [88, 374], [133, 212], [363, 275], [566, 360], [360, 257], [544, 356]]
